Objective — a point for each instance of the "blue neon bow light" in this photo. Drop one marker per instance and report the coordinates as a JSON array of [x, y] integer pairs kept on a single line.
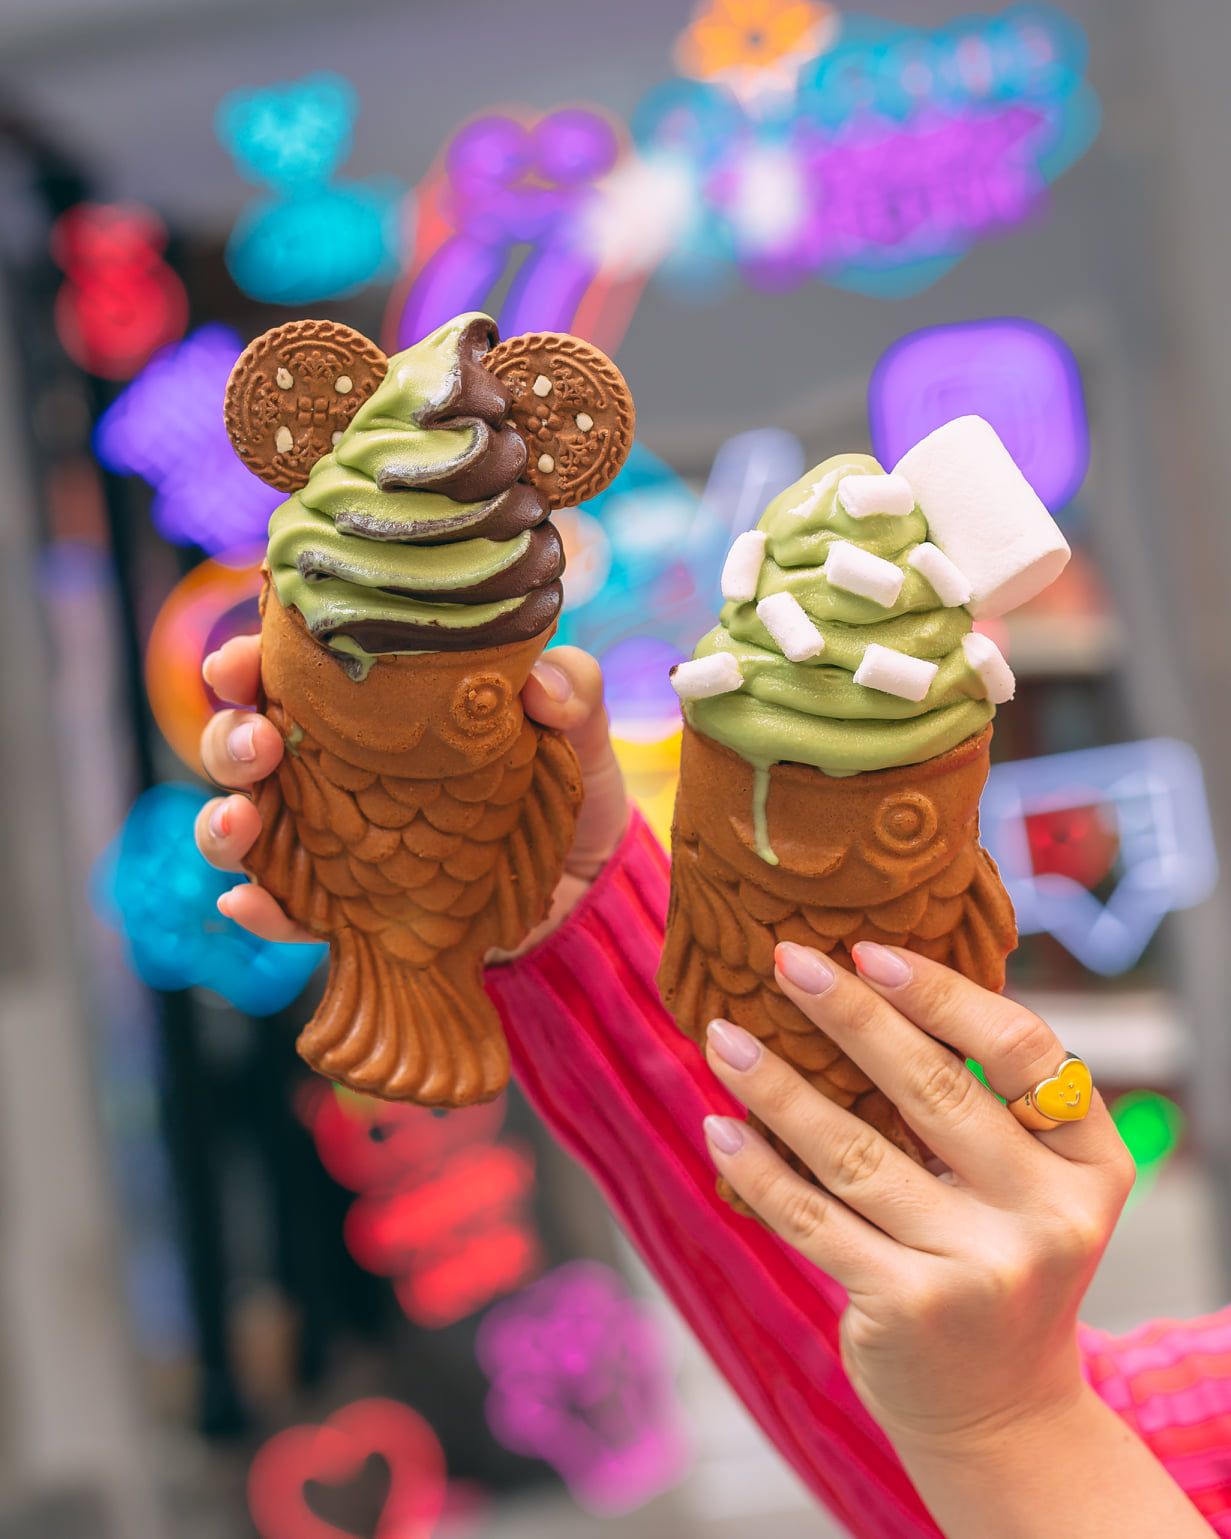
[[159, 892]]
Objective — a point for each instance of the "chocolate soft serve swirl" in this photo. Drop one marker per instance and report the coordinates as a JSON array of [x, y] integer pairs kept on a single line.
[[415, 534]]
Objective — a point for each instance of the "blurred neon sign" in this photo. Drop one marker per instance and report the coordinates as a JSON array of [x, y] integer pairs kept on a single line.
[[1131, 821], [510, 199], [313, 238], [167, 427], [580, 1380], [443, 1203], [899, 150], [120, 301], [1019, 375], [159, 892], [334, 1454]]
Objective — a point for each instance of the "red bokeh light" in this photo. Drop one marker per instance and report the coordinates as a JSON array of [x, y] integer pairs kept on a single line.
[[121, 302]]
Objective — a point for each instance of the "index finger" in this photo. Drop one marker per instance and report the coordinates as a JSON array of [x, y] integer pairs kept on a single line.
[[1015, 1049], [233, 672]]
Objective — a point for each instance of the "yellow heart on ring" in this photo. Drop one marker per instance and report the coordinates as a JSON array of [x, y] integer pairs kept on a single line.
[[1066, 1096]]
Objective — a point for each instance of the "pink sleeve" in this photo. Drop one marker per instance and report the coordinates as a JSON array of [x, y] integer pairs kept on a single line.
[[624, 1092], [1171, 1382]]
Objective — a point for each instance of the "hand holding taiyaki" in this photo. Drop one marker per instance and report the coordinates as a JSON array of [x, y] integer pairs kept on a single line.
[[417, 818]]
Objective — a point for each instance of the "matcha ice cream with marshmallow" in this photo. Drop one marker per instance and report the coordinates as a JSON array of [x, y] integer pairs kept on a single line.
[[840, 566]]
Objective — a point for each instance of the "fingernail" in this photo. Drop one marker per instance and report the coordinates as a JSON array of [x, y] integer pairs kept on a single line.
[[207, 667], [554, 682], [737, 1048], [224, 903], [220, 820], [880, 965], [807, 970], [725, 1134], [241, 743]]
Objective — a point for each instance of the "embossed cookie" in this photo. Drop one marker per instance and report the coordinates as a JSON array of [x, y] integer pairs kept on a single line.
[[292, 394], [572, 406]]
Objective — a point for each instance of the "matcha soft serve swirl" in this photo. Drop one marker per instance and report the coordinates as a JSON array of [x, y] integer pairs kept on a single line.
[[415, 533], [812, 711]]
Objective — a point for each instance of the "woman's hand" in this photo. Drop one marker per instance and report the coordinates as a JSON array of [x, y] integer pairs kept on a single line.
[[964, 1284], [239, 749]]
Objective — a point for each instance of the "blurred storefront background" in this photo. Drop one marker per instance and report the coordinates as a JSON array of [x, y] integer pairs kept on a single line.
[[236, 1302]]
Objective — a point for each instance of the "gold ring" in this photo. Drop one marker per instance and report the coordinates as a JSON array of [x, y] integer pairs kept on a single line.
[[1063, 1097]]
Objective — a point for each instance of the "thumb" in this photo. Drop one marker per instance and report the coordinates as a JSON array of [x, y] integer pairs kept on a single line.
[[565, 691]]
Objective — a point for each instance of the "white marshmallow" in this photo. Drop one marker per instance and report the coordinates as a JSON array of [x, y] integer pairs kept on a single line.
[[984, 515], [870, 496], [856, 570], [895, 673], [701, 677], [986, 659], [784, 618], [948, 582], [742, 568]]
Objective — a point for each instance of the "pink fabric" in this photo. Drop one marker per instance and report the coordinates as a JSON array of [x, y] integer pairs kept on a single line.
[[624, 1092]]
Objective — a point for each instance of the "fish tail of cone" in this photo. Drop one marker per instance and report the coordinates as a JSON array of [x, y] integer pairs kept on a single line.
[[859, 858], [406, 1033]]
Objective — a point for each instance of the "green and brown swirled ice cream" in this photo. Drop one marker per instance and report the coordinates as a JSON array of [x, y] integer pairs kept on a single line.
[[415, 534]]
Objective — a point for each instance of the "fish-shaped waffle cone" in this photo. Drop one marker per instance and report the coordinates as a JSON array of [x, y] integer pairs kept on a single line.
[[415, 823], [889, 855]]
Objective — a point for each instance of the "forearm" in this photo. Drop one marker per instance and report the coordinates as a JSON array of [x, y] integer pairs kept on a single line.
[[1080, 1472]]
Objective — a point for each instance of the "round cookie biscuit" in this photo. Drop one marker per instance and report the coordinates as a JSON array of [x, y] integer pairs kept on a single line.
[[293, 392], [573, 408]]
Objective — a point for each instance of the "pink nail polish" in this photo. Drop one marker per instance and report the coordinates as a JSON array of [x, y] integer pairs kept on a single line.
[[737, 1048], [880, 965], [725, 1134], [220, 820], [555, 683], [241, 743], [807, 970]]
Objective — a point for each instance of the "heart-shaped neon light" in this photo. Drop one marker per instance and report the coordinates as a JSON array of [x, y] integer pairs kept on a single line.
[[1065, 1097], [335, 1453]]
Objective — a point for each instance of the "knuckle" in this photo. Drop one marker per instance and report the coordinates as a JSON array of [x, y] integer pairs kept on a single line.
[[1022, 1040], [861, 1009], [802, 1211], [947, 1088], [861, 1158]]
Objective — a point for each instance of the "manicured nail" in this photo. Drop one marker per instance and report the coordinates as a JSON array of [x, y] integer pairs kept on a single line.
[[726, 1135], [553, 681], [224, 903], [880, 965], [807, 970], [207, 667], [737, 1048], [220, 820], [241, 743]]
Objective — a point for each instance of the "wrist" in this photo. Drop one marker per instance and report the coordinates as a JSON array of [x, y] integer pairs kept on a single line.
[[997, 1438]]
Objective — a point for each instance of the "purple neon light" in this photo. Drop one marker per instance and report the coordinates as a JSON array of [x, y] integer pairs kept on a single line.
[[579, 1380], [1017, 374], [167, 428]]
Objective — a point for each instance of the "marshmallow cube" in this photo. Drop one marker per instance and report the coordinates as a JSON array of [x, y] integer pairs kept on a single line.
[[948, 583], [856, 570], [702, 677], [984, 515], [875, 496], [987, 661], [895, 673], [784, 617], [742, 569]]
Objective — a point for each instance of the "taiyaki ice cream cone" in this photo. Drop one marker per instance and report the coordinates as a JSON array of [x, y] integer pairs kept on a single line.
[[837, 724], [418, 818]]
